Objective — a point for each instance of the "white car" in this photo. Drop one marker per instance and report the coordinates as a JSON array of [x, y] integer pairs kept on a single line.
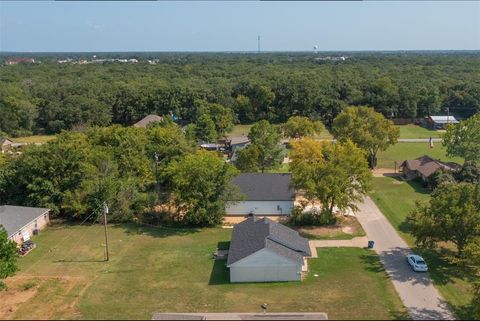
[[417, 263]]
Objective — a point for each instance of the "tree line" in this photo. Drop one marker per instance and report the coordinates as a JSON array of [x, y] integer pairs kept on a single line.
[[50, 97]]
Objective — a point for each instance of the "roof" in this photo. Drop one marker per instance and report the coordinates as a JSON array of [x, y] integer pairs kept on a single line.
[[426, 165], [238, 140], [444, 119], [5, 140], [148, 120], [13, 218], [265, 186], [253, 235]]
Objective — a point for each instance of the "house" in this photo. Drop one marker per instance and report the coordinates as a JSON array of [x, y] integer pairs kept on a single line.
[[146, 121], [425, 166], [262, 250], [21, 222], [235, 142], [16, 61], [268, 194], [5, 144], [440, 122]]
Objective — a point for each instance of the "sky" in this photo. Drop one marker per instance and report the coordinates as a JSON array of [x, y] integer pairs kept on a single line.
[[51, 26]]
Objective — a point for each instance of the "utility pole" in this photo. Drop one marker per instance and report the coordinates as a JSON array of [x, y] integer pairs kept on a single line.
[[105, 212], [259, 44], [156, 174]]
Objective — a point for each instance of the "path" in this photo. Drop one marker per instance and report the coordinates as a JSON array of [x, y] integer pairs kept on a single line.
[[419, 140], [354, 242], [416, 290]]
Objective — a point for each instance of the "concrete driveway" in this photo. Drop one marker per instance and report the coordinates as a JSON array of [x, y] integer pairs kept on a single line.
[[416, 290], [354, 242]]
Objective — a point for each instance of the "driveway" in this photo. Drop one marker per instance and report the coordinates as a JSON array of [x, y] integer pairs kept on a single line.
[[354, 242], [416, 290]]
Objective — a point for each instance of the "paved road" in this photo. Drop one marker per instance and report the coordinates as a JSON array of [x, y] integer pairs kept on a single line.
[[354, 242], [419, 140], [416, 290]]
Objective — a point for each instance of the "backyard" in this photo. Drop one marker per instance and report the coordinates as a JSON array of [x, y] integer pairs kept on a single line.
[[396, 199], [415, 131], [159, 269]]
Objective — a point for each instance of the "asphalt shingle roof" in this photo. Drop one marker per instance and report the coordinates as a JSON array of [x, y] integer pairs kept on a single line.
[[426, 165], [265, 186], [253, 235], [148, 120], [13, 218]]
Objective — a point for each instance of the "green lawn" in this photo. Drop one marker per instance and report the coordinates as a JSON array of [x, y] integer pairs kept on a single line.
[[159, 270], [34, 139], [402, 151], [415, 131], [396, 199], [240, 130]]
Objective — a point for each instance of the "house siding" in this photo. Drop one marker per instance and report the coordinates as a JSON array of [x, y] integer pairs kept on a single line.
[[265, 266], [39, 223], [260, 208]]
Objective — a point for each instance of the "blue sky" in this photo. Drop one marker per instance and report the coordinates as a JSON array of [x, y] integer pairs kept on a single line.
[[234, 25]]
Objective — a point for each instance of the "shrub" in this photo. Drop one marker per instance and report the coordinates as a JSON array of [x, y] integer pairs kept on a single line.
[[312, 218]]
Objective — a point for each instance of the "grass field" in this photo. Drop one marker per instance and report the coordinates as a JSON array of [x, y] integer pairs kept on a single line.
[[243, 130], [415, 131], [159, 270], [34, 139], [396, 199], [402, 151]]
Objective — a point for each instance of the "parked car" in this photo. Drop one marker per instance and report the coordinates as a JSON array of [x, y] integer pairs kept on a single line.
[[417, 263]]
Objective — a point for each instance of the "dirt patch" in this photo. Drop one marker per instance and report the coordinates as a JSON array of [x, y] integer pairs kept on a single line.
[[50, 298], [345, 227], [381, 172]]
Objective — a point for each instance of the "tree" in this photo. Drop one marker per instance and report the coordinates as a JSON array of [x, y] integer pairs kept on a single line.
[[453, 215], [336, 174], [297, 127], [469, 173], [368, 129], [265, 138], [248, 159], [472, 253], [8, 257], [205, 129], [463, 139], [222, 117], [201, 183]]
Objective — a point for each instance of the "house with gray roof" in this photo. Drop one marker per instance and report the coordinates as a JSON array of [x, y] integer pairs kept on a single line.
[[440, 122], [5, 144], [425, 166], [262, 250], [269, 194], [148, 120], [21, 222]]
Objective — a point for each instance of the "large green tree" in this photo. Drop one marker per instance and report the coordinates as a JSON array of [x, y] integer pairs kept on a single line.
[[265, 139], [452, 215], [336, 174], [8, 257], [463, 140], [201, 183], [205, 129], [369, 130], [298, 127]]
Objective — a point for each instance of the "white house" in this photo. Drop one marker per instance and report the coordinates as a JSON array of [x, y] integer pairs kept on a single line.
[[262, 250], [21, 222], [263, 194]]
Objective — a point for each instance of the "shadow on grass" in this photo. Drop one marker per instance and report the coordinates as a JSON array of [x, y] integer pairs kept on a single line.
[[225, 245], [80, 261], [155, 231], [220, 274], [419, 187]]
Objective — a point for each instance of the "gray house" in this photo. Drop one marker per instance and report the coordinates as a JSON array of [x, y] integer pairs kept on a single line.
[[21, 222], [262, 250]]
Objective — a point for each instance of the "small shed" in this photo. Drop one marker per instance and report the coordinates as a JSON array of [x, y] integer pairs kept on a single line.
[[22, 222], [262, 250], [440, 122], [5, 144]]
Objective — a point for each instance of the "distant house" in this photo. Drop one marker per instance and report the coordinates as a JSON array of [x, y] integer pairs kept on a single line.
[[263, 194], [146, 121], [5, 144], [262, 250], [21, 222], [425, 166], [16, 61], [440, 122]]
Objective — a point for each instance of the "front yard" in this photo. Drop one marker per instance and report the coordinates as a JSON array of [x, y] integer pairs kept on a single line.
[[396, 199], [159, 270]]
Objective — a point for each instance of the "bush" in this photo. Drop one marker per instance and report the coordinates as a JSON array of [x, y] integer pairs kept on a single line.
[[313, 218], [28, 285]]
